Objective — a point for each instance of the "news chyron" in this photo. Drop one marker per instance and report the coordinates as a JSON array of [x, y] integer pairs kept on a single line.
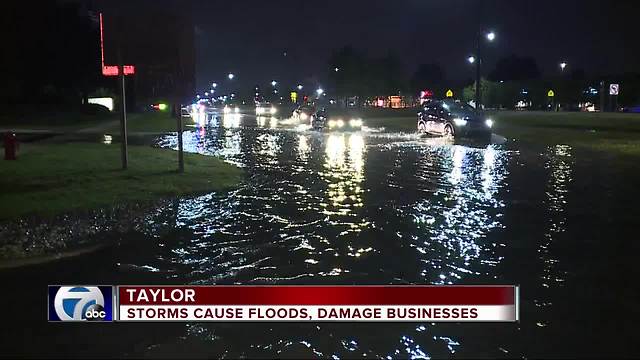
[[80, 303]]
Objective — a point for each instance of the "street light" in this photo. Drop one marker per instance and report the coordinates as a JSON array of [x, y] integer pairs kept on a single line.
[[215, 85], [319, 91], [299, 87], [563, 65], [230, 76], [336, 69], [490, 36], [274, 83]]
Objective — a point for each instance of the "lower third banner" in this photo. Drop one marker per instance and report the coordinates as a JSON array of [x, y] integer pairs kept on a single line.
[[318, 303]]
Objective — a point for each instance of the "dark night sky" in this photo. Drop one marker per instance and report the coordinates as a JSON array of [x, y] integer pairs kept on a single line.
[[249, 37]]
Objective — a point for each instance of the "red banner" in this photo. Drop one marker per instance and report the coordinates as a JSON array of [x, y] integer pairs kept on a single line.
[[316, 295]]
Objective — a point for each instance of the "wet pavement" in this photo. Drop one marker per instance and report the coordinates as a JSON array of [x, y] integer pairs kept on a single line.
[[370, 207]]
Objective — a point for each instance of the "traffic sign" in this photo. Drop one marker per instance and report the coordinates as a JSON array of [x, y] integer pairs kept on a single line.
[[449, 93], [551, 93], [614, 89]]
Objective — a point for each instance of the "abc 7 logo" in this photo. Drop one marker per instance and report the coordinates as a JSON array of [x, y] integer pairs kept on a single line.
[[80, 303]]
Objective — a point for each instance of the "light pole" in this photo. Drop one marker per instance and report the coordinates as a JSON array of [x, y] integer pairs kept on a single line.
[[490, 36]]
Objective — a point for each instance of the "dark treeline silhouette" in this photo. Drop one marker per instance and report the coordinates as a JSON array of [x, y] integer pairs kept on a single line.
[[50, 52]]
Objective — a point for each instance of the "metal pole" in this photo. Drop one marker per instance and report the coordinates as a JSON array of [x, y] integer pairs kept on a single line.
[[123, 114], [602, 97], [180, 144], [479, 14]]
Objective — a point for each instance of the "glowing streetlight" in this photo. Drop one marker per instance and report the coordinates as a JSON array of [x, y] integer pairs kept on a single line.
[[471, 59], [230, 76], [563, 65], [491, 36], [319, 91], [299, 87], [274, 83], [336, 69], [215, 85], [206, 93]]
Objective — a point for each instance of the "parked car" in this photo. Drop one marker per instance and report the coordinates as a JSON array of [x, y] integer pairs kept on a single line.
[[452, 119]]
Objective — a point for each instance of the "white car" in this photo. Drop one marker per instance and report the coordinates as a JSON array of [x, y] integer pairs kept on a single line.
[[266, 109]]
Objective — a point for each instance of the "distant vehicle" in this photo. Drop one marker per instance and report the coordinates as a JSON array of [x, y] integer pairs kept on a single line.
[[228, 109], [303, 112], [320, 120], [451, 119], [632, 109], [265, 109]]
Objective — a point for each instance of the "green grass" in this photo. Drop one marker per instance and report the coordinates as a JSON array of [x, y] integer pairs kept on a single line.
[[610, 132], [616, 133], [52, 178], [61, 122], [154, 122]]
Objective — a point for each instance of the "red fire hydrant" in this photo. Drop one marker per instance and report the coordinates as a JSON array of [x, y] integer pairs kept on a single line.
[[10, 146]]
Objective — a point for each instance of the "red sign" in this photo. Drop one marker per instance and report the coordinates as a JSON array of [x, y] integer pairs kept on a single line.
[[111, 70]]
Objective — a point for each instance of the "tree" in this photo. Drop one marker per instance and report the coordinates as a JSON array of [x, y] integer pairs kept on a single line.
[[428, 76], [350, 78], [515, 68]]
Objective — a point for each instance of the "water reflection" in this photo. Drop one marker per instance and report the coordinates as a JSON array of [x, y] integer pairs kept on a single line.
[[231, 120], [337, 208], [458, 218], [344, 173], [559, 163]]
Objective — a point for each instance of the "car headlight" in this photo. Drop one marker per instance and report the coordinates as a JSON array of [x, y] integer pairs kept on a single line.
[[273, 110], [226, 110], [332, 123], [355, 123], [340, 123], [303, 116], [237, 109], [460, 122], [489, 123]]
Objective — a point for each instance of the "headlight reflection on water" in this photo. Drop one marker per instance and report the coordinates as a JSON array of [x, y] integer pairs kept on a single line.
[[344, 174]]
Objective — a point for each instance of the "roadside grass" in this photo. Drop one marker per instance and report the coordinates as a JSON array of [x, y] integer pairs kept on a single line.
[[53, 178], [58, 122], [617, 133], [152, 122]]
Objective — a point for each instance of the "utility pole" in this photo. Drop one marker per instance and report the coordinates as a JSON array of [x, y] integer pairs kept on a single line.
[[478, 61], [123, 112], [180, 144]]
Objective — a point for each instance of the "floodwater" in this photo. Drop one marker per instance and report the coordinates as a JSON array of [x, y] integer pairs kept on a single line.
[[370, 207]]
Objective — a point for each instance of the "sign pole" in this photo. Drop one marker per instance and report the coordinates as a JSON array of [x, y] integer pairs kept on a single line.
[[180, 144], [123, 114]]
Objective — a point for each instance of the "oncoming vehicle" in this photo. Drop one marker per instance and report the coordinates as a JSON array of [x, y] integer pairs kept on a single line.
[[228, 109], [303, 112], [451, 119], [265, 109], [321, 121]]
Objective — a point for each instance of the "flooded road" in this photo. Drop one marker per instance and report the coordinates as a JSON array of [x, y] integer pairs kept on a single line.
[[372, 207]]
